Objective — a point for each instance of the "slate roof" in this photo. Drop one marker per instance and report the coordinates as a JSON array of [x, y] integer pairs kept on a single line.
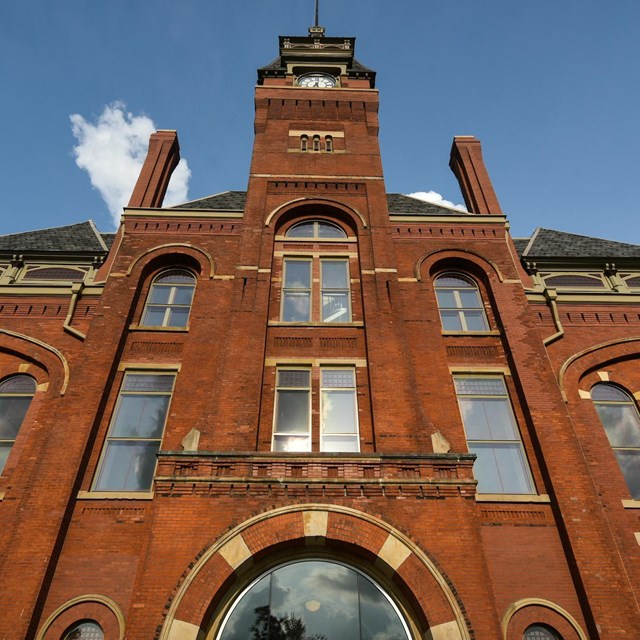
[[397, 203], [81, 237], [521, 244], [559, 244]]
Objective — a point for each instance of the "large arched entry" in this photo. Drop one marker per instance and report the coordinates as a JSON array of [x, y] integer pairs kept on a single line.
[[283, 567]]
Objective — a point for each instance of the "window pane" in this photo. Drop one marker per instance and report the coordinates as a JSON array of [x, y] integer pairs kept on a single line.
[[475, 321], [140, 416], [622, 424], [480, 386], [335, 274], [178, 317], [128, 466], [85, 631], [335, 307], [154, 316], [303, 230], [292, 412], [159, 294], [609, 392], [454, 281], [148, 382], [629, 462], [488, 419], [5, 450], [12, 413], [378, 618], [291, 444], [446, 299], [326, 230], [176, 276], [451, 321], [500, 468], [183, 295], [18, 384], [338, 378], [297, 274], [249, 618], [339, 411], [340, 444], [296, 307], [293, 378], [470, 299]]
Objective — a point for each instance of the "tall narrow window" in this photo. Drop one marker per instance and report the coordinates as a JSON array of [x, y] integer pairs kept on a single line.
[[15, 396], [460, 304], [621, 421], [316, 143], [492, 434], [169, 300], [335, 291], [304, 142], [296, 291], [328, 144], [339, 422], [292, 420], [129, 457]]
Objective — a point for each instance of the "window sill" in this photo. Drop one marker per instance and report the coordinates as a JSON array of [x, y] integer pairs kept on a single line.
[[115, 495], [475, 334], [512, 497], [139, 327], [279, 323], [631, 504]]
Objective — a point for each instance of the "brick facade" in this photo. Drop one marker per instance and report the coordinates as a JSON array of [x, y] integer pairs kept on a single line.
[[169, 561]]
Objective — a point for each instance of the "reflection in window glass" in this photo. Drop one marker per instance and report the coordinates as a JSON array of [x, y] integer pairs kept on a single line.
[[314, 600], [296, 292], [621, 421], [339, 422], [335, 291], [15, 396], [492, 434], [292, 422], [460, 304], [169, 300], [129, 459], [87, 630]]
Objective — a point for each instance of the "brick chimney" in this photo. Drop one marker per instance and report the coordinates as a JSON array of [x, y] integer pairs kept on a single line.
[[162, 158], [468, 166]]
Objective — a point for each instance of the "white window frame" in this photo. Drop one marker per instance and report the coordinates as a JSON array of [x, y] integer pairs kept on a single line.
[[516, 441], [122, 392], [351, 436], [303, 432]]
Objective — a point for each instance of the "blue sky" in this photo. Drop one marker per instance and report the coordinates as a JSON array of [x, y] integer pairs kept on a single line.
[[551, 87]]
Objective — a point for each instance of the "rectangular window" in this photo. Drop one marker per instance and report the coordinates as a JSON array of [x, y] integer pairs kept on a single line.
[[339, 412], [128, 460], [292, 421], [492, 434], [332, 303], [296, 291], [337, 428]]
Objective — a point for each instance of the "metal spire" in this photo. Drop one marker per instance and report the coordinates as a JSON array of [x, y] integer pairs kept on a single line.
[[316, 30], [317, 22]]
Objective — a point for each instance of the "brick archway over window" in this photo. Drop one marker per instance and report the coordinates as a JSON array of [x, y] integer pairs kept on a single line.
[[334, 529]]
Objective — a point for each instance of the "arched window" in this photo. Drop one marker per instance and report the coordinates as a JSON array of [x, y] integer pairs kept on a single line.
[[460, 303], [15, 396], [86, 630], [304, 142], [169, 299], [315, 229], [621, 421], [540, 632], [316, 143], [328, 144], [313, 599]]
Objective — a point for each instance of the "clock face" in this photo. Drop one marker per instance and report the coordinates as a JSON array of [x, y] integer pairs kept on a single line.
[[319, 80]]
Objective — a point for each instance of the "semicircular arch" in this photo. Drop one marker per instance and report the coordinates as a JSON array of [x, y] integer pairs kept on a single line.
[[455, 260], [301, 205], [235, 554], [175, 248]]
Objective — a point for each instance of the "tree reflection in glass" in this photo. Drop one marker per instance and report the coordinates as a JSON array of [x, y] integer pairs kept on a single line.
[[314, 600]]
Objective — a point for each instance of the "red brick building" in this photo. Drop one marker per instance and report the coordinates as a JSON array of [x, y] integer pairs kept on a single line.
[[315, 409]]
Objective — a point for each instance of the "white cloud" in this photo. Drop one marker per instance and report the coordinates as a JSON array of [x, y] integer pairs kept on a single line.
[[436, 198], [112, 150]]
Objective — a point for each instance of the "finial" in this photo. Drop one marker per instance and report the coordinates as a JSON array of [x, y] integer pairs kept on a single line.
[[317, 30]]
